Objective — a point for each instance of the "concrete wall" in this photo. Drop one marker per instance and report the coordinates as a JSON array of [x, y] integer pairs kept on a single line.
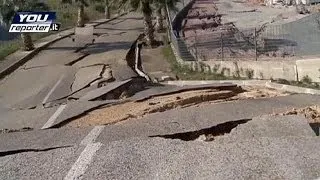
[[309, 67], [255, 69], [289, 70]]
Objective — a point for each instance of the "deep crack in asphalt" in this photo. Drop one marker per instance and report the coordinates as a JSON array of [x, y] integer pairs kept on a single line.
[[209, 133]]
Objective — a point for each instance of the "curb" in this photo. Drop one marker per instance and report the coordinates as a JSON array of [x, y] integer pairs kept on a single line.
[[294, 89], [237, 82], [17, 63], [265, 83]]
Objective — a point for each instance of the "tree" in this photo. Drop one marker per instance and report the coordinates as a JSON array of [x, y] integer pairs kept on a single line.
[[160, 6], [107, 9], [8, 8], [143, 6], [81, 5], [159, 18]]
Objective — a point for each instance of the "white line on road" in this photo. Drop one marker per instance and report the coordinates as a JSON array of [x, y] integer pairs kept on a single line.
[[52, 90], [82, 163], [92, 136], [51, 120]]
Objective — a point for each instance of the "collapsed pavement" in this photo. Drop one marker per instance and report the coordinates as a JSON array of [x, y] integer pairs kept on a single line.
[[269, 146]]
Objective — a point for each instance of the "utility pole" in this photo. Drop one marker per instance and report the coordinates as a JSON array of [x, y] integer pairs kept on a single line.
[[255, 44], [221, 44]]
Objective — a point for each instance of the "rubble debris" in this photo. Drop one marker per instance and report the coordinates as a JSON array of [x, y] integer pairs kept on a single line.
[[312, 113], [107, 74]]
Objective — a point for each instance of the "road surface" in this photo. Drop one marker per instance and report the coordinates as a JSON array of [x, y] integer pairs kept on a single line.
[[39, 99]]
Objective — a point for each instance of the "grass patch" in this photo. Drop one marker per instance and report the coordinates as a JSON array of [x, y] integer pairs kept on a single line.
[[183, 72], [8, 48], [306, 82]]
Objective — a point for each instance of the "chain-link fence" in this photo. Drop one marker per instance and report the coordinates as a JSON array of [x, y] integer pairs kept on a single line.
[[291, 40]]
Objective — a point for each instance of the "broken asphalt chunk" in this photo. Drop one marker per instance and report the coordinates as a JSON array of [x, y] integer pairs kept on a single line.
[[96, 93], [85, 76], [171, 89]]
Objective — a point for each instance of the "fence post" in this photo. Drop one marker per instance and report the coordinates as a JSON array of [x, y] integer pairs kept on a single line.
[[255, 44], [221, 44]]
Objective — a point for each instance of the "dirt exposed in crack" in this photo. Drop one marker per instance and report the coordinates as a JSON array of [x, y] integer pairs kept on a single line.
[[312, 113], [254, 92], [207, 134], [128, 110], [124, 111]]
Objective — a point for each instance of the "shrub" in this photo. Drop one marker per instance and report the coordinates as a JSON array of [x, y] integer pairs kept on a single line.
[[249, 73], [306, 79]]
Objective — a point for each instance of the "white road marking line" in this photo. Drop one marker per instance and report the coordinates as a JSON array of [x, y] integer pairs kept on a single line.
[[52, 90], [92, 136], [54, 117], [82, 163]]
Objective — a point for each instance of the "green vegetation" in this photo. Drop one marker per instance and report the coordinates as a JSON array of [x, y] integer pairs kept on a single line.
[[306, 82], [186, 73], [8, 48]]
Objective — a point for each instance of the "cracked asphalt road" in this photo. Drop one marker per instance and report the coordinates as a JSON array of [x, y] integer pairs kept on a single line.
[[149, 147], [49, 76]]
